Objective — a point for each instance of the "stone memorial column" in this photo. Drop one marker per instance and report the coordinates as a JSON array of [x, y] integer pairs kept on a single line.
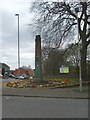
[[38, 63]]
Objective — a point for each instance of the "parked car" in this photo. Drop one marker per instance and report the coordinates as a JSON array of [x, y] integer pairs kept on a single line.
[[30, 77], [21, 77], [17, 77], [24, 76], [11, 76], [1, 74]]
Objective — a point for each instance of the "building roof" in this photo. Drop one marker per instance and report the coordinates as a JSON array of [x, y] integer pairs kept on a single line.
[[3, 64]]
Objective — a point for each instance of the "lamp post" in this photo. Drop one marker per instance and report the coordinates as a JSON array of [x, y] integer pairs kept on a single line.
[[18, 42]]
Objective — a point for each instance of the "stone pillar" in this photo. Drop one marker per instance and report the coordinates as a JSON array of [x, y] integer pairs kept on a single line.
[[38, 63]]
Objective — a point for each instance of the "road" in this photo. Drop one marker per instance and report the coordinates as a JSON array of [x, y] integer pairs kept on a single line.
[[29, 107]]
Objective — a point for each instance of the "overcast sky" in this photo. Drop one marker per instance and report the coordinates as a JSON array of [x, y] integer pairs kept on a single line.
[[8, 9]]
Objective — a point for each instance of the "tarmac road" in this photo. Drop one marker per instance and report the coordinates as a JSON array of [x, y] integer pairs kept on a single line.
[[29, 107]]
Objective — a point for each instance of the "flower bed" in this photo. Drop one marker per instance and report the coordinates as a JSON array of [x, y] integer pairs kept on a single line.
[[32, 84]]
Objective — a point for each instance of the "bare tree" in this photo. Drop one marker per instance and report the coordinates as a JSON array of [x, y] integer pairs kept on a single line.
[[54, 60], [56, 21], [72, 55]]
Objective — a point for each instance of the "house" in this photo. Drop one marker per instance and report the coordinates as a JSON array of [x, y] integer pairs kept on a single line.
[[4, 68], [19, 71], [22, 71], [31, 72]]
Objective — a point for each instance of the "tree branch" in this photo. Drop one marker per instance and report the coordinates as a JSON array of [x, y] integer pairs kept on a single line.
[[70, 12], [88, 35], [88, 42]]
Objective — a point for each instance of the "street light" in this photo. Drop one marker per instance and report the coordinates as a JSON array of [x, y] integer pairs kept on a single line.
[[18, 43]]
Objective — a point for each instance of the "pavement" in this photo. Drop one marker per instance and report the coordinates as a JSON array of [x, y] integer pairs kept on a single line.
[[69, 93]]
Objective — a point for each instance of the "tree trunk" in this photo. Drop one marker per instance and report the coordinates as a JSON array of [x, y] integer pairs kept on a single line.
[[83, 61]]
